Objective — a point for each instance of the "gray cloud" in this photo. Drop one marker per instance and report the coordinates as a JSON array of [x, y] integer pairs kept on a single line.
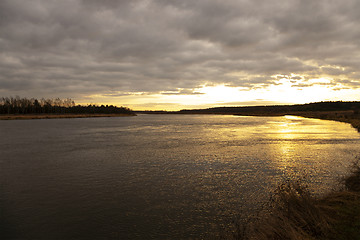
[[182, 92], [76, 48]]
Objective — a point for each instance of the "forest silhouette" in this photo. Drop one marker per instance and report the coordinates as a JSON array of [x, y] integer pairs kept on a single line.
[[17, 105]]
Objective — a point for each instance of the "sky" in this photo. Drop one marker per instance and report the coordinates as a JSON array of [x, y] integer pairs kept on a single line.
[[176, 54]]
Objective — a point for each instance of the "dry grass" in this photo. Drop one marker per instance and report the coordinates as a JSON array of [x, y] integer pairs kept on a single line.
[[293, 213], [352, 182]]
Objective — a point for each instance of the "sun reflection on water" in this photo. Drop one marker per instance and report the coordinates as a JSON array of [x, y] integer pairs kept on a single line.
[[286, 132], [299, 143]]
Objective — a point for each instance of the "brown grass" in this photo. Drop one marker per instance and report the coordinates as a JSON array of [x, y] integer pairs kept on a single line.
[[293, 213], [352, 182]]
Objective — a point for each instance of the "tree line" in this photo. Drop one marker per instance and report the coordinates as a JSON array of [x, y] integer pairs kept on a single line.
[[17, 105], [281, 109]]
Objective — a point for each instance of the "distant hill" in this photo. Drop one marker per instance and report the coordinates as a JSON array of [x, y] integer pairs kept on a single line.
[[275, 110]]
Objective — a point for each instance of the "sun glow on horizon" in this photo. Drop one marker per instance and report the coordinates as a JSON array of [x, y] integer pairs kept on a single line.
[[284, 91]]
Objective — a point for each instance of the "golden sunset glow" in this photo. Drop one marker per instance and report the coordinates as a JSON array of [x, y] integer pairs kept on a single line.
[[284, 92]]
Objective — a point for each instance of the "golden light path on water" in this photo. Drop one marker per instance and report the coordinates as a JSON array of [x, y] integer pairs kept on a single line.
[[289, 132], [296, 146], [295, 157]]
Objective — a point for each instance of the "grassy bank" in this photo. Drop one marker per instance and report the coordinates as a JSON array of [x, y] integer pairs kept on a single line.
[[48, 116], [350, 116], [293, 213]]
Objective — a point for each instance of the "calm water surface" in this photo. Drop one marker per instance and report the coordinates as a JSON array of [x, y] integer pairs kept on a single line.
[[157, 176]]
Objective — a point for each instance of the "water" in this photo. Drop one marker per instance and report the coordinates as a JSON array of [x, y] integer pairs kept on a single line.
[[157, 176]]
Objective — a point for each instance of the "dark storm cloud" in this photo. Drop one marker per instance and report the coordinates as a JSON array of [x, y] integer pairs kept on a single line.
[[74, 47]]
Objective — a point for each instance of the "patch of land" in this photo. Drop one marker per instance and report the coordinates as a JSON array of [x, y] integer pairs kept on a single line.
[[50, 116]]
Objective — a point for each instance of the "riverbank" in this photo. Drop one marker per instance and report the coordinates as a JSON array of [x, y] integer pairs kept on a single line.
[[350, 116], [293, 213], [51, 116]]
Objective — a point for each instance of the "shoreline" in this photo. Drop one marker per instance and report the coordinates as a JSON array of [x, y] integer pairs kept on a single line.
[[57, 116], [340, 116], [345, 117]]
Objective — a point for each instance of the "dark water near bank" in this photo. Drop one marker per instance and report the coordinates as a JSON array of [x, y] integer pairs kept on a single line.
[[156, 176]]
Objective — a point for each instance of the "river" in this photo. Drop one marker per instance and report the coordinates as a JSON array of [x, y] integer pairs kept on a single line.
[[157, 176]]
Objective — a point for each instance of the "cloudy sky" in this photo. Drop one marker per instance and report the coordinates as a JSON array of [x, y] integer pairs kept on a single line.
[[172, 54]]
